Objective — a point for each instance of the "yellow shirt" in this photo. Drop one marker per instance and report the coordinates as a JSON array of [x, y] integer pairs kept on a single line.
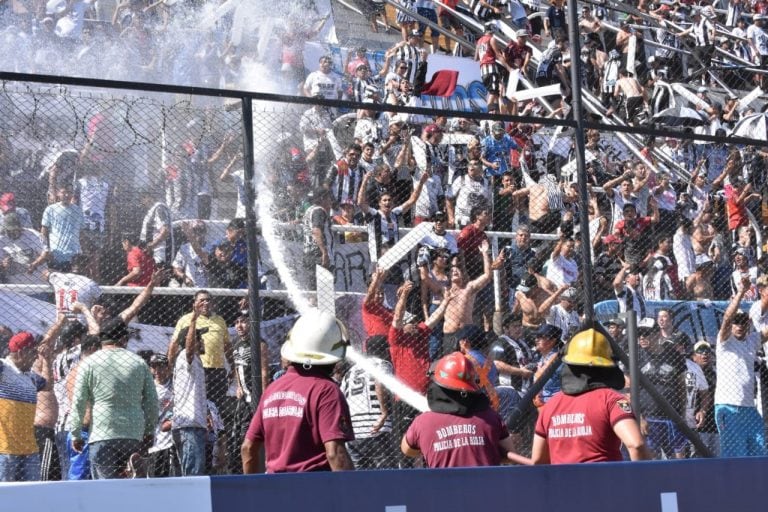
[[214, 340], [18, 397]]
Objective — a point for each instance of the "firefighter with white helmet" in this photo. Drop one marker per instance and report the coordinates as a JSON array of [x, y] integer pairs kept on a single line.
[[589, 419], [303, 419], [460, 429]]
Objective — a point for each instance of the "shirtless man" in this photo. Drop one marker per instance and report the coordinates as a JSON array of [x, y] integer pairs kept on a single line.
[[463, 293], [543, 220], [532, 300], [699, 284], [635, 95], [703, 231]]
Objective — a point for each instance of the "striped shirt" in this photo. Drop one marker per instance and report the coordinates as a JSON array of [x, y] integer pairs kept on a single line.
[[412, 56], [18, 398], [359, 389]]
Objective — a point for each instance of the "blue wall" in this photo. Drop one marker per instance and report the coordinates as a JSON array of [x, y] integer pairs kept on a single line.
[[701, 485], [721, 485]]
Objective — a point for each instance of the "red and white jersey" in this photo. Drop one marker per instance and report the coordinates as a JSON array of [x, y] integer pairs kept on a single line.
[[485, 50], [71, 288]]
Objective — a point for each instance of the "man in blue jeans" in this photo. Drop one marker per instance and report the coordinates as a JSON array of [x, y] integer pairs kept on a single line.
[[190, 409]]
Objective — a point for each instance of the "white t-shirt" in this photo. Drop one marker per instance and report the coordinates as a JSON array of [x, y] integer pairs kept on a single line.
[[563, 319], [736, 370], [22, 251], [617, 207], [426, 204], [158, 216], [562, 271], [163, 440], [758, 317], [759, 38], [93, 194], [682, 248], [189, 400], [239, 178], [446, 241], [465, 191], [187, 260], [695, 381], [329, 84], [71, 288]]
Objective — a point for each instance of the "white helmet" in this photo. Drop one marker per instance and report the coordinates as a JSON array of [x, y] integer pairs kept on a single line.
[[317, 338]]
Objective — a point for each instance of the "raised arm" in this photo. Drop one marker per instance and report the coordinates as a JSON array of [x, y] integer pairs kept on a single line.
[[550, 301], [375, 286], [402, 300], [416, 192], [158, 276], [618, 281], [90, 320], [438, 314], [733, 307], [611, 184], [485, 278], [362, 196], [190, 343]]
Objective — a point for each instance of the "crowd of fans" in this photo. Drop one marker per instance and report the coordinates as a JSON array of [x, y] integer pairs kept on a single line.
[[673, 223]]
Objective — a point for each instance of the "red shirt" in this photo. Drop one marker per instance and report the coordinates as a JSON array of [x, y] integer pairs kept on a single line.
[[580, 428], [469, 240], [737, 215], [297, 414], [138, 258], [377, 320], [410, 356], [450, 441], [641, 224]]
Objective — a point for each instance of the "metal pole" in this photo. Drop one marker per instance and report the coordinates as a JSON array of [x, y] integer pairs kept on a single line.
[[526, 401], [634, 381], [577, 111], [254, 303], [657, 397]]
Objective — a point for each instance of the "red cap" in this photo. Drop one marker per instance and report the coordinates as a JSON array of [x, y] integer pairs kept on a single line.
[[611, 239], [20, 341], [6, 200]]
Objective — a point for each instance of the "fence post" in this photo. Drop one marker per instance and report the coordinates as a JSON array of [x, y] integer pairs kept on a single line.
[[634, 381], [577, 112], [254, 305]]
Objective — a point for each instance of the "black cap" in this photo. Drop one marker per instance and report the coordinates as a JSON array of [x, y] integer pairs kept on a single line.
[[158, 359], [113, 330], [236, 223]]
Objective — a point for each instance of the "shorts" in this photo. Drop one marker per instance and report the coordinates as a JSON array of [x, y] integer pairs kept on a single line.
[[491, 78], [663, 435], [431, 15], [447, 20], [450, 344]]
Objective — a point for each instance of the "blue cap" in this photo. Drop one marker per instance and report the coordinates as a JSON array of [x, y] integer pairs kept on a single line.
[[549, 331]]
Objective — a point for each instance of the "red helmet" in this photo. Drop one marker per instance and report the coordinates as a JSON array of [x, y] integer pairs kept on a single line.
[[456, 372]]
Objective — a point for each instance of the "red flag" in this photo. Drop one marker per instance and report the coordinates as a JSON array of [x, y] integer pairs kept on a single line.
[[443, 83]]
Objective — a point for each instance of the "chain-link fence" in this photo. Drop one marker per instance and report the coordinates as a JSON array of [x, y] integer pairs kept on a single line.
[[425, 236]]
